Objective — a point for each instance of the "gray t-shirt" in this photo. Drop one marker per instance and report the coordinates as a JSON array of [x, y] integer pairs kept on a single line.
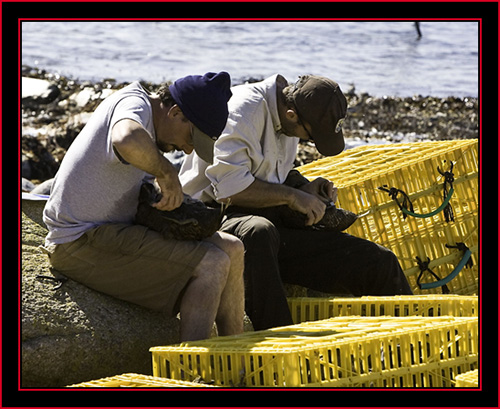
[[93, 186]]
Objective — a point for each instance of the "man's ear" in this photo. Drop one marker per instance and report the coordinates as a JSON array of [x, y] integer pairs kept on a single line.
[[292, 115], [174, 111]]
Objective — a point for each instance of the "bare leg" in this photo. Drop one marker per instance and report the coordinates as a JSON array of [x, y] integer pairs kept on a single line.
[[229, 317], [201, 299]]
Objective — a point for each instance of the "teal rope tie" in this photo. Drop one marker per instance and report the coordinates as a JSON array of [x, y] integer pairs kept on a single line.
[[424, 266], [407, 207], [466, 261], [439, 209]]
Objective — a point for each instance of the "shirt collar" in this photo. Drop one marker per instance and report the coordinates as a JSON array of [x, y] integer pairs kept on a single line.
[[269, 87]]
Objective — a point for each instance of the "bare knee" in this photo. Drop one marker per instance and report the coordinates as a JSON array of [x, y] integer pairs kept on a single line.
[[233, 246], [229, 244], [214, 266]]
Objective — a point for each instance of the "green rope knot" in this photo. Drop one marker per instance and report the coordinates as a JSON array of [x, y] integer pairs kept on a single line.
[[406, 206], [449, 177]]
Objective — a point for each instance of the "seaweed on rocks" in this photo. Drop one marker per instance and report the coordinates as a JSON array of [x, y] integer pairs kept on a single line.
[[49, 128]]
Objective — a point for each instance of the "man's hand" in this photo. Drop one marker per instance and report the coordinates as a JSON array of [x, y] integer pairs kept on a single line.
[[309, 204], [172, 195], [322, 188]]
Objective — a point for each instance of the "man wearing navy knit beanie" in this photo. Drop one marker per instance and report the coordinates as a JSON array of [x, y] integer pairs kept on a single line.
[[94, 198]]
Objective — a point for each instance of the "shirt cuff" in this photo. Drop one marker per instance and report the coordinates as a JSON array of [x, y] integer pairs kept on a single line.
[[232, 183]]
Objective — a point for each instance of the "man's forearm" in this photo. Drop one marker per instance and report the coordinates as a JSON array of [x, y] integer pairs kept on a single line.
[[136, 147], [262, 194]]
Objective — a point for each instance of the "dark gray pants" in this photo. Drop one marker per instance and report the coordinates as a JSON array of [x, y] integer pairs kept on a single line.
[[329, 262]]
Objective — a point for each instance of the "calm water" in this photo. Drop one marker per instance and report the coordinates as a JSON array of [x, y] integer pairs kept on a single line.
[[381, 58]]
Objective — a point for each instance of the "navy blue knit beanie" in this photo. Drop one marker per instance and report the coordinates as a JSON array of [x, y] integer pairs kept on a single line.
[[203, 100]]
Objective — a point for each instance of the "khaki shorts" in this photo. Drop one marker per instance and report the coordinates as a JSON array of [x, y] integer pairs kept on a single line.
[[132, 263]]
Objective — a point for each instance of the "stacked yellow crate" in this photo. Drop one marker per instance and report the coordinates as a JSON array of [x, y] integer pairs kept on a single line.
[[468, 379], [435, 305], [338, 352], [418, 171], [133, 380]]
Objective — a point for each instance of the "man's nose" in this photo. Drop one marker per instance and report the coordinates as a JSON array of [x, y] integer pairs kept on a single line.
[[187, 149]]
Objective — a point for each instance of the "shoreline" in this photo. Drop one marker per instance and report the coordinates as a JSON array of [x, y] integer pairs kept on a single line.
[[52, 121]]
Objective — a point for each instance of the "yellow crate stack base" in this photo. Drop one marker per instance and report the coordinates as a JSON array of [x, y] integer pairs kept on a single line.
[[313, 309], [338, 352], [133, 380], [468, 379], [413, 168]]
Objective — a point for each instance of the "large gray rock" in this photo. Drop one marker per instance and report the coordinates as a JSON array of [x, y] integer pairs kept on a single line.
[[37, 91], [73, 334]]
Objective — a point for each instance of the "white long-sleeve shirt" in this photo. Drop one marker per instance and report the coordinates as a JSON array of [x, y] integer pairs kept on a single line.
[[251, 146]]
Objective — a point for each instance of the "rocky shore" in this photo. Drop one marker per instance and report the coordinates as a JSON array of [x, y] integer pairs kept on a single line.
[[56, 108], [62, 322]]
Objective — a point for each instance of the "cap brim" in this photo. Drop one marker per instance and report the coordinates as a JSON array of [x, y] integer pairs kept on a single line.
[[321, 103], [327, 141], [203, 145]]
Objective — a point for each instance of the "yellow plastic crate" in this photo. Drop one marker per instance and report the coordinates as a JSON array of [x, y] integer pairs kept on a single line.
[[468, 380], [431, 243], [313, 309], [414, 168], [338, 352], [133, 380]]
